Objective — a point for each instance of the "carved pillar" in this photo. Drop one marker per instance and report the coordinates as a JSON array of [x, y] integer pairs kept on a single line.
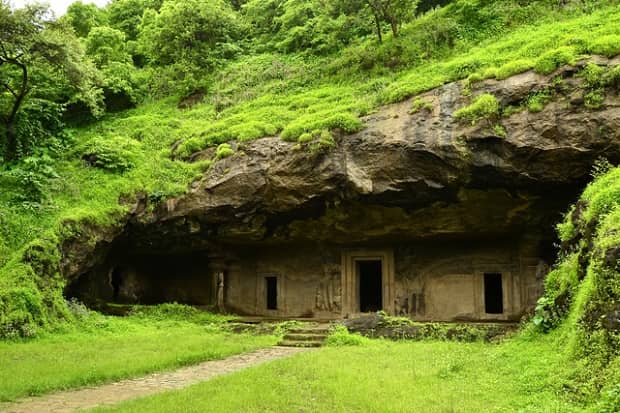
[[217, 268]]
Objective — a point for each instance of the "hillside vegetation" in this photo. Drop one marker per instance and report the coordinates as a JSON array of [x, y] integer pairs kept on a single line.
[[120, 100]]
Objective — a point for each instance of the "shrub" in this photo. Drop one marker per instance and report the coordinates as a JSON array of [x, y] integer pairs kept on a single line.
[[474, 77], [610, 401], [340, 336], [190, 146], [178, 312], [485, 106], [78, 309], [165, 311], [500, 131], [560, 286], [592, 75], [305, 137], [606, 45], [31, 177], [117, 154], [224, 151], [5, 251], [594, 99], [612, 77], [322, 141], [555, 58], [347, 122], [21, 311], [536, 102]]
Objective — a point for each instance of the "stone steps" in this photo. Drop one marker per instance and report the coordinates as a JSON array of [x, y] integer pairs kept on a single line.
[[312, 336]]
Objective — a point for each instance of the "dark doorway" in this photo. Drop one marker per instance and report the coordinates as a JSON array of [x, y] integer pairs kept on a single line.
[[116, 281], [493, 293], [271, 285], [371, 282]]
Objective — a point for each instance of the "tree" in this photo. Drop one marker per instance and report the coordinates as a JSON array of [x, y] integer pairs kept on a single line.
[[41, 67], [105, 45], [126, 15], [311, 26], [393, 12], [198, 33], [83, 17], [108, 49]]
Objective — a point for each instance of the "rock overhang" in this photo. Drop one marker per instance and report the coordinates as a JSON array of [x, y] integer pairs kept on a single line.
[[405, 177]]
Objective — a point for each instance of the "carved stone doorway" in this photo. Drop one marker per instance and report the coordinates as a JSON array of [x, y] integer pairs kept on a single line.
[[367, 281], [370, 282]]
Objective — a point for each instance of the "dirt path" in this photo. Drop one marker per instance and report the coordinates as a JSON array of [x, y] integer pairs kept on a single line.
[[113, 393]]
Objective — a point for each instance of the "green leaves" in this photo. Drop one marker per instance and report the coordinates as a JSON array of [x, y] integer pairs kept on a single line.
[[198, 33], [105, 45], [30, 180]]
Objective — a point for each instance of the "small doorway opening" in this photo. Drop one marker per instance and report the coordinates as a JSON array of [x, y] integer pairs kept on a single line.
[[271, 286], [370, 280], [116, 282], [493, 293]]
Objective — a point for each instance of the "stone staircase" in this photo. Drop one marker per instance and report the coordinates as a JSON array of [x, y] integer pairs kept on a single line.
[[305, 336]]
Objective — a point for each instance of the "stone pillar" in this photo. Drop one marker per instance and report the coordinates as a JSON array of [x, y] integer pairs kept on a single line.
[[217, 269]]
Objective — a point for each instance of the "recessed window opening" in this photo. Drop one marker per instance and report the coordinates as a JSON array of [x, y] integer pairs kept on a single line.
[[493, 293], [271, 285], [370, 279]]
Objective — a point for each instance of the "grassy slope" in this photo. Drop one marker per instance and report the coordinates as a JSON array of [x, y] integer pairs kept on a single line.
[[102, 349], [518, 375]]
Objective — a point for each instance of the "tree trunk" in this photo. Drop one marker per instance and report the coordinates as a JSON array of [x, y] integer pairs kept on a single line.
[[394, 25], [378, 23], [10, 148], [10, 120]]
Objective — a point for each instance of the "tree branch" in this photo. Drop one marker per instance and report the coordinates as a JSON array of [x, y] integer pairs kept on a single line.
[[8, 87], [23, 90]]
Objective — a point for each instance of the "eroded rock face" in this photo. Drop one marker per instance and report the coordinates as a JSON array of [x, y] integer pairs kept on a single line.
[[406, 175], [408, 185]]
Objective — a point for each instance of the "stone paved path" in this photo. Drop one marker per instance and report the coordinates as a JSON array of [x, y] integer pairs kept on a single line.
[[109, 394]]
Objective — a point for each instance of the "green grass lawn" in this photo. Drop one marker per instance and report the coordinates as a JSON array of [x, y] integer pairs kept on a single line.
[[110, 349], [520, 375]]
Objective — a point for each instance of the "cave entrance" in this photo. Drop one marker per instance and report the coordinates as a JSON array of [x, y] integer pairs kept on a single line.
[[148, 279], [493, 293], [370, 276]]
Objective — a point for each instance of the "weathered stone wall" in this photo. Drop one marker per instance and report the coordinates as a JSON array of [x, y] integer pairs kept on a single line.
[[433, 280], [445, 280], [308, 281]]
